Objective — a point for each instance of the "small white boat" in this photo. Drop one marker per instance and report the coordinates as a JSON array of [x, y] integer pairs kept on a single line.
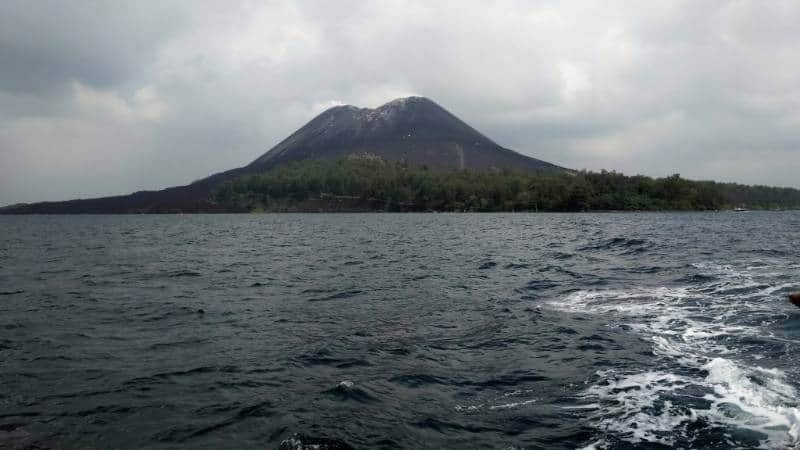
[[739, 210]]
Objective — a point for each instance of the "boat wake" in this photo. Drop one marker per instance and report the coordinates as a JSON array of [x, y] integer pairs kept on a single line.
[[718, 374]]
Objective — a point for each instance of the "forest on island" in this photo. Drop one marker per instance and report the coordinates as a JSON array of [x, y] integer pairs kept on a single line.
[[373, 184]]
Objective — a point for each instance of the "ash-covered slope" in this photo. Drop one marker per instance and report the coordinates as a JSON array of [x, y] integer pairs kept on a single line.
[[413, 129]]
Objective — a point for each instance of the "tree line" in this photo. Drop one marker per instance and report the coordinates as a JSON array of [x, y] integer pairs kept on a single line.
[[398, 186]]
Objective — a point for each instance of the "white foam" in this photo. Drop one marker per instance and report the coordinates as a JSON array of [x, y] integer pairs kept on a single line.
[[596, 445], [629, 406], [513, 405], [500, 406], [634, 406], [695, 327], [630, 302], [517, 393], [585, 406], [761, 397], [468, 408]]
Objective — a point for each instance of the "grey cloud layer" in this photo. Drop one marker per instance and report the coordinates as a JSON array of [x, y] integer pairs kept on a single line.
[[46, 43], [100, 98]]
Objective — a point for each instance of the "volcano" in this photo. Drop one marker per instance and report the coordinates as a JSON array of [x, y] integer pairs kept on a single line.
[[415, 130]]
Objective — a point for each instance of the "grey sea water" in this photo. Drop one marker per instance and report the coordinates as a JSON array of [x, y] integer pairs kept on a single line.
[[400, 331]]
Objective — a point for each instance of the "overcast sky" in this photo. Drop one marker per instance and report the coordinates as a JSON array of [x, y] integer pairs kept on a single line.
[[101, 98]]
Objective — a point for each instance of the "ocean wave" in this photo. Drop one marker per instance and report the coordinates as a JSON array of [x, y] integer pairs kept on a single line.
[[348, 391], [625, 245]]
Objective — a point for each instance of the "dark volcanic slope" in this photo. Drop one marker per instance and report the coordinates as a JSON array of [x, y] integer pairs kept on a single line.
[[414, 129]]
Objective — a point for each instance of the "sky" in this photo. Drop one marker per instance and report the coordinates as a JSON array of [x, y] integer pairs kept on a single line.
[[109, 97]]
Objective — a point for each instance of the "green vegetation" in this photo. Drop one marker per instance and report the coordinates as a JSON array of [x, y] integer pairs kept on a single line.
[[369, 184]]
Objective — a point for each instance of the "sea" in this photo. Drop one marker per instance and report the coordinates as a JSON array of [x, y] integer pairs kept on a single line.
[[337, 331]]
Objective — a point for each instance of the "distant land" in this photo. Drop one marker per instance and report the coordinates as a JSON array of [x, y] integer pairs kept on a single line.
[[365, 182], [413, 155]]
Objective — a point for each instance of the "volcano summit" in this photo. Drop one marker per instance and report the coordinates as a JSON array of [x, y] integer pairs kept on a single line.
[[413, 129]]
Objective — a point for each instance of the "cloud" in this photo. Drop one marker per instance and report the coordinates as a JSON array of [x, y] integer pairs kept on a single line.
[[104, 43], [144, 104], [111, 97]]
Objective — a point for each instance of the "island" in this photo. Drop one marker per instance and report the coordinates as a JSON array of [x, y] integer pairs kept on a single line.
[[411, 154]]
